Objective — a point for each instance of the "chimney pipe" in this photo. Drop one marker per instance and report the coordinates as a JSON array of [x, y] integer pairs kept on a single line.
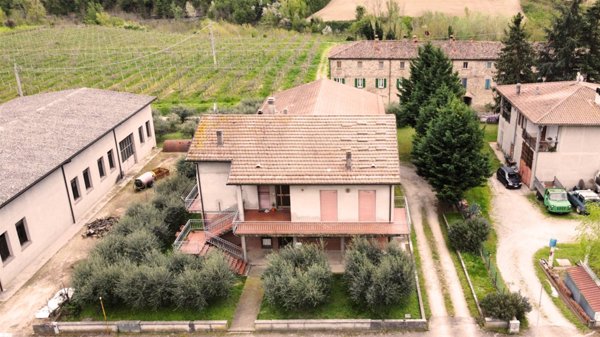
[[271, 104], [348, 161], [597, 100], [219, 138], [518, 88]]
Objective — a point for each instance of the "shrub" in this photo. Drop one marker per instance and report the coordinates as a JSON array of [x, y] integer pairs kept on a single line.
[[182, 112], [378, 278], [505, 306], [188, 128], [95, 278], [468, 235], [146, 287], [186, 169], [218, 278], [297, 278]]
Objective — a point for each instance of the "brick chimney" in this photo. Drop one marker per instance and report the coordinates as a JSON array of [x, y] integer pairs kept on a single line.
[[271, 105]]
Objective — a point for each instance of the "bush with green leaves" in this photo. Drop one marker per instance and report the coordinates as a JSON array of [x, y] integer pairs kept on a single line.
[[186, 169], [297, 277], [505, 306], [468, 235], [378, 278]]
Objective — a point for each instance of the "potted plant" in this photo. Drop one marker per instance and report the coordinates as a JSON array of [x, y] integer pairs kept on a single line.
[[273, 209]]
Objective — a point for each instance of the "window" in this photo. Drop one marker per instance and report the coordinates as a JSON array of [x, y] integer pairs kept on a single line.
[[101, 167], [402, 64], [338, 64], [380, 64], [506, 109], [359, 64], [381, 83], [464, 81], [282, 193], [126, 147], [148, 132], [75, 188], [465, 65], [488, 64], [488, 84], [87, 179], [359, 83], [141, 134], [4, 247], [266, 243], [111, 159], [340, 80], [22, 232], [399, 84]]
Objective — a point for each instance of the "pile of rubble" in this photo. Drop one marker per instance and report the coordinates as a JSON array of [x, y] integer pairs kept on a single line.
[[99, 227]]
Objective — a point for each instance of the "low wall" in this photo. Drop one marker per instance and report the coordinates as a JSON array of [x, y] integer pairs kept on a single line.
[[55, 328], [341, 324]]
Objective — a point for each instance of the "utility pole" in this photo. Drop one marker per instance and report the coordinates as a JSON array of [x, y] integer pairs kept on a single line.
[[212, 45], [19, 89]]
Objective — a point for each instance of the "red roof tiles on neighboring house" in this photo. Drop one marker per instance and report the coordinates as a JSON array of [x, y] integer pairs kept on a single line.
[[408, 50], [325, 97], [300, 149], [586, 285], [555, 103]]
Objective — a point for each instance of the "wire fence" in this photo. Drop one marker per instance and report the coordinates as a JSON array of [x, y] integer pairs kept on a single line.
[[493, 271]]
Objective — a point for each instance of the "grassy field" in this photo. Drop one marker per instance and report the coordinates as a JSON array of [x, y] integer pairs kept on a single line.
[[340, 306], [176, 67], [220, 310]]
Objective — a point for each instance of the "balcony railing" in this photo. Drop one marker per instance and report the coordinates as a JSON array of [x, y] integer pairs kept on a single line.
[[191, 197], [225, 245], [545, 145]]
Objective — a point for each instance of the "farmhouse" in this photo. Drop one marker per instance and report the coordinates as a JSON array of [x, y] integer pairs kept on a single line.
[[378, 66], [61, 153], [297, 172], [551, 129]]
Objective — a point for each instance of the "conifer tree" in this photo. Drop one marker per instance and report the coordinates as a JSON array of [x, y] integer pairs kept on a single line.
[[429, 71], [562, 56], [517, 57], [449, 155], [590, 39]]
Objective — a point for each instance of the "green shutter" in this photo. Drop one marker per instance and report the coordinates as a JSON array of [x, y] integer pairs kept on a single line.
[[399, 84], [385, 83], [356, 82]]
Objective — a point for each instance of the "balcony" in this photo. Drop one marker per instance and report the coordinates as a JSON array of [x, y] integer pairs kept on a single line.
[[256, 215], [192, 201], [545, 145]]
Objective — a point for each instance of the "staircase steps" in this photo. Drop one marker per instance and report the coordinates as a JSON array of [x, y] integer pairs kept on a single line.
[[238, 266]]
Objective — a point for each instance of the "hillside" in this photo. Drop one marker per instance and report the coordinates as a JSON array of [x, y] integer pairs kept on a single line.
[[344, 10], [176, 67]]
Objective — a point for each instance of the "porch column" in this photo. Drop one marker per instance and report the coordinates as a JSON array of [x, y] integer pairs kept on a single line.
[[343, 245], [240, 203], [294, 241], [244, 248]]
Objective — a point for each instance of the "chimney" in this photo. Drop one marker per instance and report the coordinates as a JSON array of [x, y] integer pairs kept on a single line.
[[597, 100], [219, 138], [285, 111], [348, 161], [537, 89], [518, 88], [271, 104]]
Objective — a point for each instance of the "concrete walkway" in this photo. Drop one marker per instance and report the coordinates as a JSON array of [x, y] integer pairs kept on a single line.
[[249, 303]]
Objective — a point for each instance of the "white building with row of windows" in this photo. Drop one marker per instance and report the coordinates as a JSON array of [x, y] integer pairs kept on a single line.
[[61, 153]]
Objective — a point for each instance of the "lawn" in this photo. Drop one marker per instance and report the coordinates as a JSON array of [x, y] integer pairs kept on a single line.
[[405, 136], [219, 310], [339, 306], [539, 15], [574, 253]]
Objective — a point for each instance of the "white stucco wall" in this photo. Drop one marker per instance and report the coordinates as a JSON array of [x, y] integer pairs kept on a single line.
[[250, 196], [131, 126], [306, 201], [216, 194]]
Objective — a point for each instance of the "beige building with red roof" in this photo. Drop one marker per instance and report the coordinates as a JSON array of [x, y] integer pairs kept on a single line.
[[551, 130], [378, 66], [307, 167], [585, 289]]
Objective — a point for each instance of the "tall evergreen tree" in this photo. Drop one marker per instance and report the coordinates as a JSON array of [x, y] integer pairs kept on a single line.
[[562, 56], [429, 71], [449, 155], [429, 110], [517, 57], [590, 40]]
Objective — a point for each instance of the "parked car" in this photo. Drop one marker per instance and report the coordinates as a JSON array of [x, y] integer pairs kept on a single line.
[[509, 177], [579, 199]]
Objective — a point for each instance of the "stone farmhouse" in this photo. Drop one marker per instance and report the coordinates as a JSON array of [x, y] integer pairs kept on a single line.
[[551, 130], [378, 66], [61, 153], [317, 163]]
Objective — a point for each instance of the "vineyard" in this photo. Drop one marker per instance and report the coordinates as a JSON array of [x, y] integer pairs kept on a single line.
[[177, 68]]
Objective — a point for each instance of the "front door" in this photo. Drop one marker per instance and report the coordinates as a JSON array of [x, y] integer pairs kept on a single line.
[[127, 152], [329, 206], [264, 197], [366, 206], [525, 164]]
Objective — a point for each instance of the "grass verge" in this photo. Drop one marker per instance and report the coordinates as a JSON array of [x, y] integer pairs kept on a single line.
[[405, 136], [219, 310], [417, 257], [574, 253], [340, 306]]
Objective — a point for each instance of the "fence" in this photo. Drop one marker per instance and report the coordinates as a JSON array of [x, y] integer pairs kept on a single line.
[[493, 270]]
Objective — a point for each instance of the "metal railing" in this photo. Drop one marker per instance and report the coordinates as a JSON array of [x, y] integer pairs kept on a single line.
[[191, 197], [225, 245], [224, 220], [545, 146], [182, 236]]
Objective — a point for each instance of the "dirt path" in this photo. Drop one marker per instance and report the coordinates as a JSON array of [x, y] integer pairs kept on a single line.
[[17, 313], [443, 273], [344, 10], [323, 69], [249, 305]]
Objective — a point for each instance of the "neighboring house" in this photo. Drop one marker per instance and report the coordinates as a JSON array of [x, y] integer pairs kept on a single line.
[[378, 66], [585, 289], [61, 153], [271, 179], [551, 130]]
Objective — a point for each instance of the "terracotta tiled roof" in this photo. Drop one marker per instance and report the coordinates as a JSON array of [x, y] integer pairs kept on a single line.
[[301, 149], [408, 50], [326, 97], [586, 285], [555, 103]]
